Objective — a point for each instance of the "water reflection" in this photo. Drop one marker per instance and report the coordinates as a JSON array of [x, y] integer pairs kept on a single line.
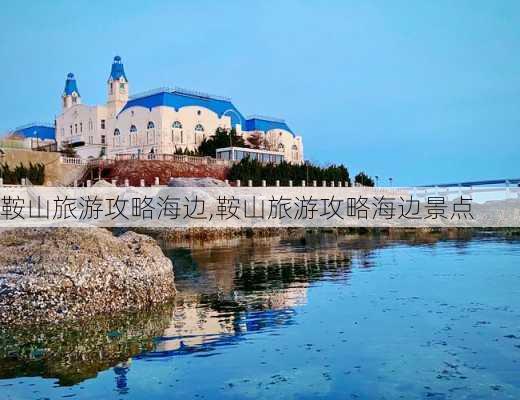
[[74, 352], [226, 290], [229, 290], [238, 287]]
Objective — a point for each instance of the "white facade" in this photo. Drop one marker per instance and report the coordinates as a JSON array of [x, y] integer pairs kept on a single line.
[[161, 121]]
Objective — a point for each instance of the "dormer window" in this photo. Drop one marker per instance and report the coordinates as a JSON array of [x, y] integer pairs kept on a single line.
[[199, 128]]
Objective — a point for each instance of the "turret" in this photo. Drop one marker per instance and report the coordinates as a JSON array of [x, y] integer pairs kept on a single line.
[[117, 87], [70, 94]]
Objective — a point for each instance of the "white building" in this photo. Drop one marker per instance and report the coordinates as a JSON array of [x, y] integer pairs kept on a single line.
[[160, 121]]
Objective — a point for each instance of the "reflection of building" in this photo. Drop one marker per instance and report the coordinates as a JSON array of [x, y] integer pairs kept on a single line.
[[121, 370], [193, 325], [258, 287], [159, 121]]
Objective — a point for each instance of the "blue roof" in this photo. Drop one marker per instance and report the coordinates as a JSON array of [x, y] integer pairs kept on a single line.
[[117, 70], [70, 85], [177, 98], [265, 124], [39, 130]]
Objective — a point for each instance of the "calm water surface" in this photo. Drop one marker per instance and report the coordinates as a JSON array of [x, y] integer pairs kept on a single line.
[[323, 317]]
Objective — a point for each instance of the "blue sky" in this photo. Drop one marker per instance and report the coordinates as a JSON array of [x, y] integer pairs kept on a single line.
[[422, 91]]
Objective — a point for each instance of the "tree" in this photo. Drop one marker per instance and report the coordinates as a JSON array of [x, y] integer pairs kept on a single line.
[[363, 179], [35, 173], [256, 140], [221, 138], [185, 152], [248, 169]]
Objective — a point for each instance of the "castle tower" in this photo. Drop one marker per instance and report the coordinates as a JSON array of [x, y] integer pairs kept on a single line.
[[70, 94], [117, 87]]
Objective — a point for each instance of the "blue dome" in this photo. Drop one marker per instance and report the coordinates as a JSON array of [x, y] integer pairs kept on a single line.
[[37, 130], [265, 124], [117, 70], [70, 85], [176, 99]]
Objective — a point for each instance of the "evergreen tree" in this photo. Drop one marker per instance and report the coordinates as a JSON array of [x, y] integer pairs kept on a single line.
[[35, 173], [363, 179], [248, 169], [221, 138]]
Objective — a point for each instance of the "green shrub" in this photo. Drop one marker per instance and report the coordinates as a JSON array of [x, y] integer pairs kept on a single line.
[[35, 173], [363, 179], [248, 169]]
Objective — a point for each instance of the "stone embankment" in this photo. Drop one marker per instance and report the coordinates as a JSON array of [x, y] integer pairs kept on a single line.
[[51, 275], [135, 170]]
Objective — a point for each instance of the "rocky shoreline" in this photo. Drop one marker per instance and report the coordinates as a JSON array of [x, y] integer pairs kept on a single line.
[[52, 275], [62, 274]]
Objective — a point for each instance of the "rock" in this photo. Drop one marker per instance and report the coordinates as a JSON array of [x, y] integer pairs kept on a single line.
[[49, 275], [196, 182], [103, 183]]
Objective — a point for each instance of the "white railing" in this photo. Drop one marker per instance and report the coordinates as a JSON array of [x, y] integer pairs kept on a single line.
[[176, 89], [146, 157], [73, 161], [173, 157]]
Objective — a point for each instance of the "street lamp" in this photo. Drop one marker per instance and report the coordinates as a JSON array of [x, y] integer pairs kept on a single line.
[[377, 180], [390, 180]]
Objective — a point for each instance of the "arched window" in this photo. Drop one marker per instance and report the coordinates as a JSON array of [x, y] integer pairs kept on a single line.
[[175, 133], [117, 137], [281, 147], [294, 152], [133, 135], [199, 128], [150, 133]]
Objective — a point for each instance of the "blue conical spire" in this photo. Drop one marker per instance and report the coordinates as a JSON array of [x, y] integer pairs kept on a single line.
[[118, 70], [70, 85]]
